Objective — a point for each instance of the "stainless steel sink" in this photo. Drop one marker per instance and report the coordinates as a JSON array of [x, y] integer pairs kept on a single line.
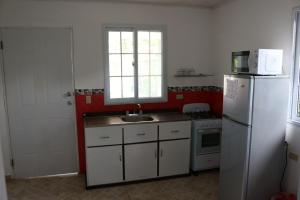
[[137, 118]]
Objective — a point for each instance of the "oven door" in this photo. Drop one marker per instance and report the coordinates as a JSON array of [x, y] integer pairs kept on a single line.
[[207, 141]]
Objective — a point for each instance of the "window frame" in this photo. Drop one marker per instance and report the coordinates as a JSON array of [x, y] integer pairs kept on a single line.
[[135, 29], [295, 72]]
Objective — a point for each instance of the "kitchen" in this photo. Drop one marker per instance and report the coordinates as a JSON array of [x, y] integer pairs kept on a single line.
[[196, 37]]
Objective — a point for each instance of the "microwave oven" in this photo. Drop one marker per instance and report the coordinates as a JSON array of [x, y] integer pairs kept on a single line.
[[260, 62]]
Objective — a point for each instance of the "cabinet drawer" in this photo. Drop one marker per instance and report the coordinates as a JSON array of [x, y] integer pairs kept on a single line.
[[174, 130], [100, 136], [140, 133], [204, 162]]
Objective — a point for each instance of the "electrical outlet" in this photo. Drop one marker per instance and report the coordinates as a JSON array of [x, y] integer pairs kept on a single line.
[[88, 99], [179, 96], [293, 156]]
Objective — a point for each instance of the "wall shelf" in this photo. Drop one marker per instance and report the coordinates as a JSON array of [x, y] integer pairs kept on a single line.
[[193, 75]]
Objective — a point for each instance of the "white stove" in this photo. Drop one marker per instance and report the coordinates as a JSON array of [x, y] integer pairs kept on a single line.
[[206, 137]]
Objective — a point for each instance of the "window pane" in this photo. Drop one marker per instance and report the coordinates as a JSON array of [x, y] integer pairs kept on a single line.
[[155, 42], [127, 65], [115, 65], [115, 87], [128, 49], [144, 86], [114, 42], [144, 64], [143, 42], [128, 87], [127, 42], [155, 90], [155, 62]]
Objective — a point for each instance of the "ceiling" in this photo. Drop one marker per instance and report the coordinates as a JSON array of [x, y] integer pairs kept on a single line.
[[192, 3], [200, 3]]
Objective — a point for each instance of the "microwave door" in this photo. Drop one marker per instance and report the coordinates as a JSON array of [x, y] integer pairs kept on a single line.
[[240, 62]]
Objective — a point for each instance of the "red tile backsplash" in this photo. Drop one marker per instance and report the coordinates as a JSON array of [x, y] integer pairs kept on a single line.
[[214, 98]]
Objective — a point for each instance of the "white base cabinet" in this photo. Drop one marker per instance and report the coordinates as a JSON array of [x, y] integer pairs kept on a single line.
[[116, 154], [104, 165], [174, 157], [140, 161]]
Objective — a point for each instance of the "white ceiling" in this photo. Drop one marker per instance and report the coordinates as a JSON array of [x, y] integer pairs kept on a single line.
[[193, 3], [200, 3]]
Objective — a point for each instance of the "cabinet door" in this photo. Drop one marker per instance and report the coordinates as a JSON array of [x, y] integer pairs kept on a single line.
[[174, 157], [140, 161], [104, 165]]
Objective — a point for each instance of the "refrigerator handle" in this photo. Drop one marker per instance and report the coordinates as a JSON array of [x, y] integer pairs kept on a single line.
[[236, 121]]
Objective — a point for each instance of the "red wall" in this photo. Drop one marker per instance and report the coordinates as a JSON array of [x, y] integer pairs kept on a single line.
[[215, 99]]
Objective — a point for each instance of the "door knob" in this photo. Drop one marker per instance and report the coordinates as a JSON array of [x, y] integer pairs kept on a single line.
[[67, 94]]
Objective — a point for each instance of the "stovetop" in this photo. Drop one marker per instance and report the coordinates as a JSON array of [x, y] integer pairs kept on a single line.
[[201, 115]]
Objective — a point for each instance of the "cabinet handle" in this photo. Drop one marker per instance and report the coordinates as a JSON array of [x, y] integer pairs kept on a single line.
[[161, 153], [104, 137], [175, 131], [155, 153], [141, 134], [120, 157]]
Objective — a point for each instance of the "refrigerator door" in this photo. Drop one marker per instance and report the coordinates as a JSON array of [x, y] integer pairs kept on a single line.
[[234, 160], [268, 136], [238, 95]]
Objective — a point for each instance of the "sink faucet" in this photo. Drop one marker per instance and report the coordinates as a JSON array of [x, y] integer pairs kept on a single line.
[[136, 110], [139, 106]]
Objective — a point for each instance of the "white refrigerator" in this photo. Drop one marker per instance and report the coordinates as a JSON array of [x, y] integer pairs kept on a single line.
[[253, 133]]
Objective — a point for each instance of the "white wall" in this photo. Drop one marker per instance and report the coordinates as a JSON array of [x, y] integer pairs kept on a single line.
[[244, 25], [189, 37], [293, 170], [189, 33], [251, 24]]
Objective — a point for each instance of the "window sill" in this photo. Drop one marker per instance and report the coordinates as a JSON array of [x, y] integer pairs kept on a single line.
[[293, 122]]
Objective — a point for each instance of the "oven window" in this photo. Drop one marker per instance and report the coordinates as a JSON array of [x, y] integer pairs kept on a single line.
[[210, 140]]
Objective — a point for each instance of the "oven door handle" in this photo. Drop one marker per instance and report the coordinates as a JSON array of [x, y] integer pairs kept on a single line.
[[209, 130]]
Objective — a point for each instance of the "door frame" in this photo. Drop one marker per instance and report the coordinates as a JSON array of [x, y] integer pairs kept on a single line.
[[6, 111], [2, 73]]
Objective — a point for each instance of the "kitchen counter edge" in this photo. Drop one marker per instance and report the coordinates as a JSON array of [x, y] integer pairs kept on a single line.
[[115, 120]]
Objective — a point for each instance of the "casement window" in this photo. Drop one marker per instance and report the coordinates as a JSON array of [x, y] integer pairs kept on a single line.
[[295, 105], [135, 67]]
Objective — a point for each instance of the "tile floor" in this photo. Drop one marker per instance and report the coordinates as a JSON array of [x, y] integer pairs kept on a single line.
[[201, 187]]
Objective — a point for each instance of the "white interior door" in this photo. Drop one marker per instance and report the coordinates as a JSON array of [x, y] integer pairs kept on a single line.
[[234, 160], [39, 86], [3, 193]]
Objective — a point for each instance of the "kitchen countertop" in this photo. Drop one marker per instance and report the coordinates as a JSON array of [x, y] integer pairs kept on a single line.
[[110, 120]]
